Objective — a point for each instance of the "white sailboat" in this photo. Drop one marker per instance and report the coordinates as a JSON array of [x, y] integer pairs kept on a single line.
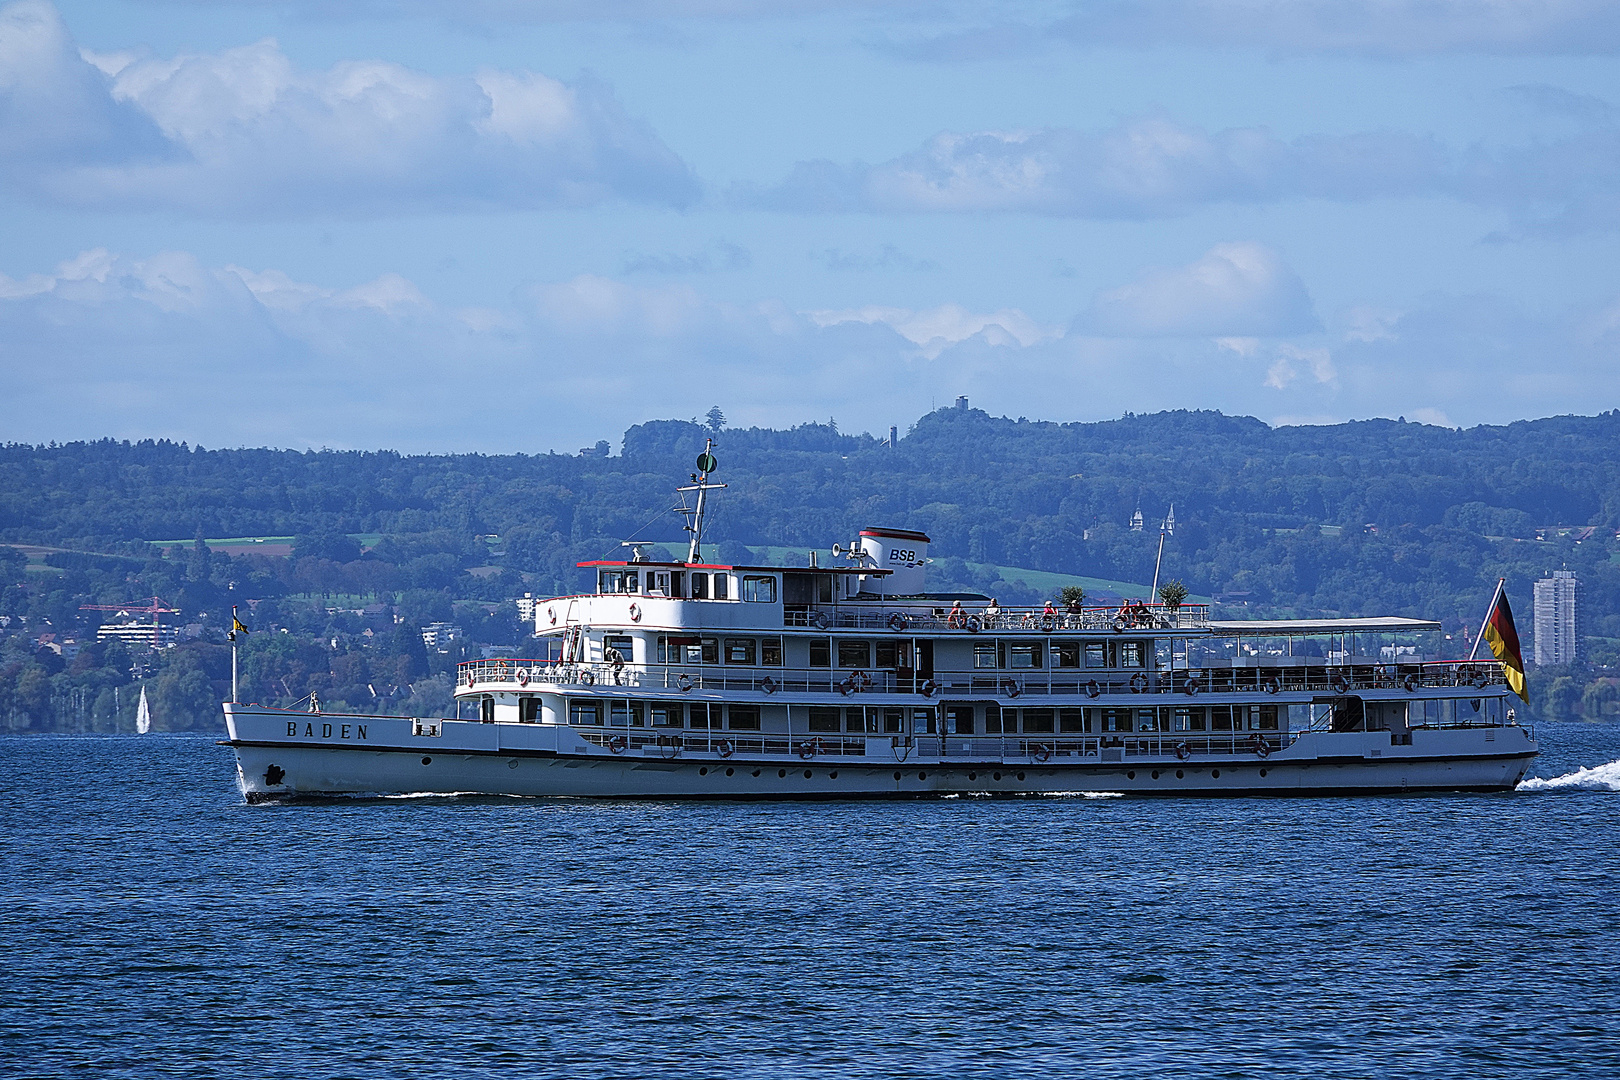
[[143, 715]]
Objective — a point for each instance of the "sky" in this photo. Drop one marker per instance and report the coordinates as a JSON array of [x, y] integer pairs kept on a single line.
[[510, 226]]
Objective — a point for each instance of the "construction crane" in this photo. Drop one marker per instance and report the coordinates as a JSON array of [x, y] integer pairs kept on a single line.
[[153, 607]]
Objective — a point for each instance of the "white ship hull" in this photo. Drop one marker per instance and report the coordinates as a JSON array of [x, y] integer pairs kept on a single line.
[[286, 755]]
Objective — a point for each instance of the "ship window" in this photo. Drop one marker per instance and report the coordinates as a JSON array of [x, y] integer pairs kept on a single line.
[[868, 720], [624, 645], [759, 590], [1066, 654], [1131, 653], [739, 650], [984, 654], [825, 718], [924, 719], [893, 721], [1024, 654], [722, 586], [890, 654], [1112, 719], [1220, 718], [1096, 654], [1146, 720], [700, 586], [1038, 721], [625, 714], [1071, 720], [992, 719], [584, 712], [528, 710], [959, 720], [608, 581], [703, 712], [1181, 719], [708, 651], [854, 654], [820, 653], [770, 651], [665, 713], [631, 582], [743, 717], [486, 709]]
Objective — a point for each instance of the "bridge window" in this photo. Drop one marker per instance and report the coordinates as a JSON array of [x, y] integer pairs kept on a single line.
[[1066, 654], [984, 654], [622, 644], [722, 586], [584, 712], [759, 590], [1097, 654], [854, 654], [609, 581], [700, 586], [1024, 654], [528, 710], [1131, 654], [743, 717], [826, 718], [739, 650]]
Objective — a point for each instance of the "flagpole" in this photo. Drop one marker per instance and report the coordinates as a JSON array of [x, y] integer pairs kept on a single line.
[[235, 698], [1489, 608]]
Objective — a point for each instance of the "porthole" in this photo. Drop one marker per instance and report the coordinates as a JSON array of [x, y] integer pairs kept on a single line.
[[731, 772], [897, 776], [703, 771], [998, 776], [1262, 772], [1155, 774], [781, 772], [1020, 776], [973, 776], [756, 772], [807, 774], [832, 776], [1215, 773], [922, 776], [427, 761], [1180, 775], [1131, 775]]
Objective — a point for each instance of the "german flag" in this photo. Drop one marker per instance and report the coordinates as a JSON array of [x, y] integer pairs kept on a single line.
[[1503, 637]]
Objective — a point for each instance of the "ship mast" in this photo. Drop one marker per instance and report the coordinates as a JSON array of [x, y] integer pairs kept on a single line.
[[706, 464]]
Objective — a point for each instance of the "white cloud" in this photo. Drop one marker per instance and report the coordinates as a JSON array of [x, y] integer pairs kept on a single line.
[[937, 329], [1154, 167], [166, 345], [1385, 28], [1235, 290], [245, 132]]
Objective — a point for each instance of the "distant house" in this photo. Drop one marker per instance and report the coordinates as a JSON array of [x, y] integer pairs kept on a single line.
[[439, 635]]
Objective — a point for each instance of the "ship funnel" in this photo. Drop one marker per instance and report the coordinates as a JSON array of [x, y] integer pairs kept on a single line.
[[899, 550]]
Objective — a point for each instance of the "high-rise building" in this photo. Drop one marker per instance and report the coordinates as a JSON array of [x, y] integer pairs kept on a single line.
[[1558, 627]]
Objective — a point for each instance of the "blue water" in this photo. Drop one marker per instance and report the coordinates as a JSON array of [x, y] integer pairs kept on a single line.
[[155, 925]]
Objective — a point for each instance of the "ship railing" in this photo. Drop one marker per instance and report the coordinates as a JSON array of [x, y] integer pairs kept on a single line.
[[998, 683], [1027, 749], [937, 619]]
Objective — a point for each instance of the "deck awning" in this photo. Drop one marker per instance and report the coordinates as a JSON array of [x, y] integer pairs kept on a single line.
[[1285, 627]]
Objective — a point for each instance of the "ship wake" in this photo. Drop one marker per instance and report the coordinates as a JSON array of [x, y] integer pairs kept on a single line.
[[1605, 777]]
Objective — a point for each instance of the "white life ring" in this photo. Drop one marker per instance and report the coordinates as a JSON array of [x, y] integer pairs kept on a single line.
[[1092, 689], [587, 678], [1011, 687], [820, 620], [809, 748], [1042, 752], [635, 612], [469, 677], [725, 747], [1048, 623], [1260, 746], [618, 744], [769, 685], [684, 683], [897, 623], [929, 688], [974, 624], [1183, 751], [1273, 685], [523, 676], [1339, 684], [1411, 684], [1139, 683], [1190, 687]]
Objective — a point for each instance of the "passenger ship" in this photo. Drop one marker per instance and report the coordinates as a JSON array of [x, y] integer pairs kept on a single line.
[[697, 680]]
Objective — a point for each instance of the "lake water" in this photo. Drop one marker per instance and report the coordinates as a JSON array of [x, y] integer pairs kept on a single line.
[[155, 925]]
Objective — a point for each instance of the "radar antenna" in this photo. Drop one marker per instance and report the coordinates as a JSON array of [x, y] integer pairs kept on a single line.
[[706, 464]]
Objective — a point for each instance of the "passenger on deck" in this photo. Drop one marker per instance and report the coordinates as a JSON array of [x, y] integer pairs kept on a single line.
[[992, 614], [1050, 609], [958, 618]]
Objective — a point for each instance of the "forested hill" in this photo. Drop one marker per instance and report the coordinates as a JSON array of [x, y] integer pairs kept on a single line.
[[1425, 517], [360, 551]]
